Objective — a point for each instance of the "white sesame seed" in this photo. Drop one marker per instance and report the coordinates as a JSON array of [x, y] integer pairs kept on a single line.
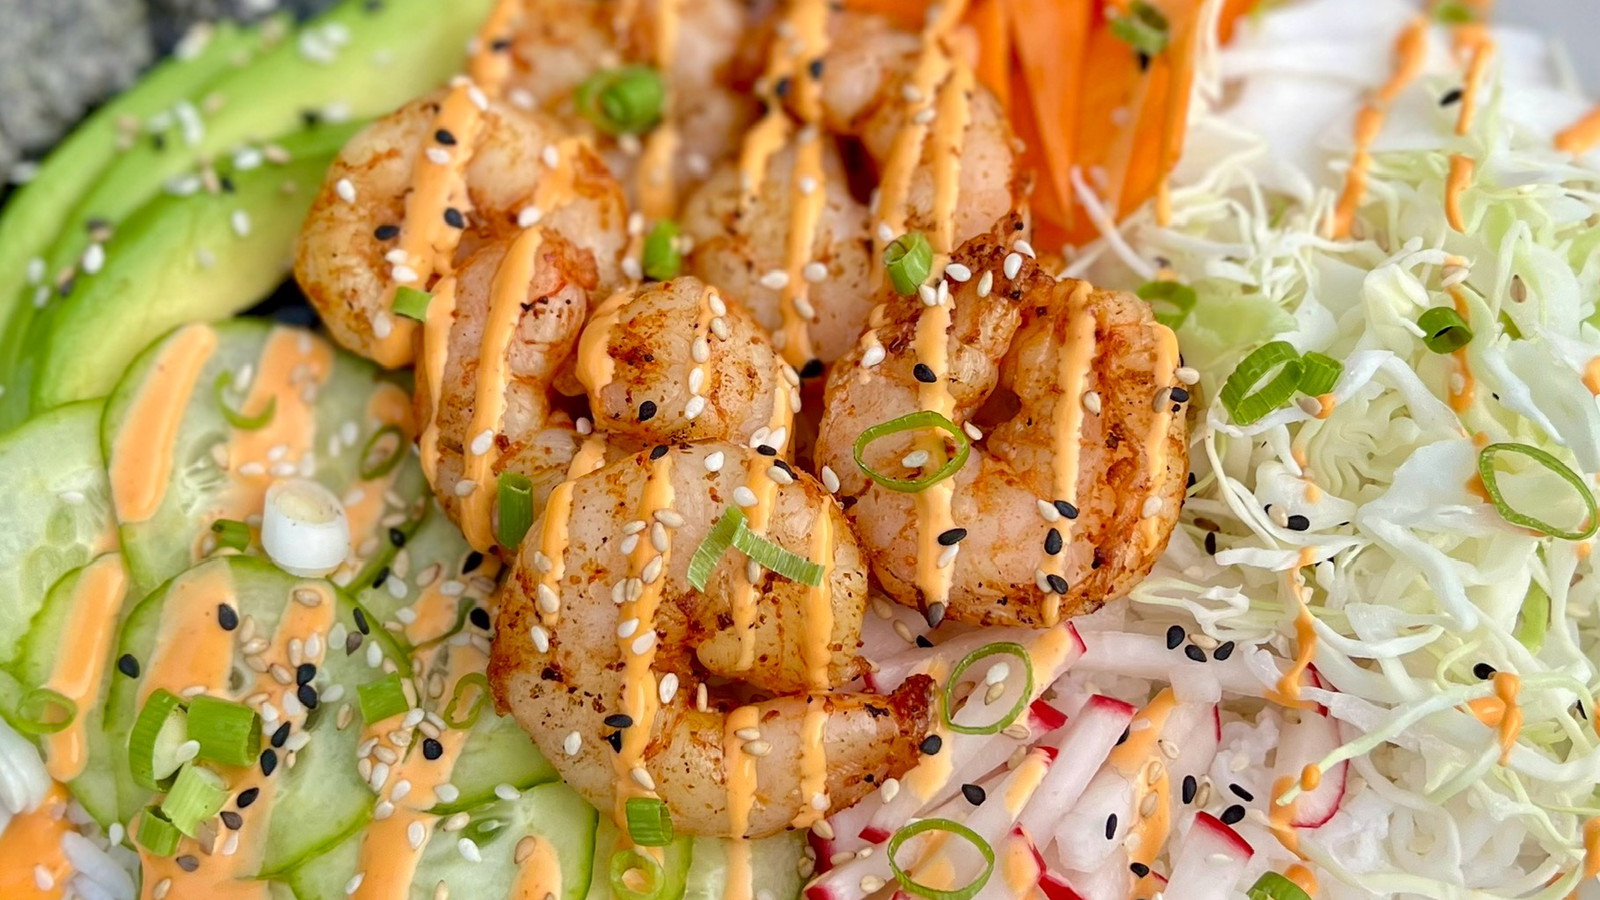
[[540, 637], [652, 570], [1091, 402], [345, 190], [529, 216], [658, 537], [241, 223], [1041, 580], [830, 480], [1048, 511], [585, 426], [186, 751], [972, 431], [447, 793], [804, 309], [758, 748], [670, 518], [469, 850], [627, 627], [403, 274], [644, 643], [482, 443], [42, 879], [924, 116], [416, 833], [634, 526], [694, 407], [93, 258], [465, 486], [1025, 248], [915, 459], [548, 601], [713, 461], [1013, 265], [815, 272], [873, 356], [642, 778], [1152, 506], [871, 884], [780, 475], [700, 350], [668, 688], [719, 328], [507, 792], [948, 555], [550, 156], [572, 744], [744, 496], [929, 296], [438, 156], [986, 283], [1187, 374], [776, 280]]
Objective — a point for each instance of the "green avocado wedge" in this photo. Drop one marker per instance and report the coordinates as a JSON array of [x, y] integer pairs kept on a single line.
[[359, 60], [178, 260]]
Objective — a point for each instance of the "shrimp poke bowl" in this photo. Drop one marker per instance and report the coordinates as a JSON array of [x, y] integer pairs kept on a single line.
[[864, 450]]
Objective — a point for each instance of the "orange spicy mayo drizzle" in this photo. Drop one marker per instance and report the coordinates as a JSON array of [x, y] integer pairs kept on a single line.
[[539, 873], [80, 666], [557, 523], [1132, 759], [640, 699], [816, 654], [1462, 393], [435, 355], [934, 515], [1074, 367], [141, 455], [1288, 689], [1591, 849], [1462, 168], [364, 504], [739, 771], [1164, 370], [31, 842], [1502, 712], [1411, 51], [657, 184], [291, 361], [1581, 136], [743, 602]]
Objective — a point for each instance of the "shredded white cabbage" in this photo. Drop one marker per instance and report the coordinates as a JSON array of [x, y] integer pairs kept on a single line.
[[1415, 579]]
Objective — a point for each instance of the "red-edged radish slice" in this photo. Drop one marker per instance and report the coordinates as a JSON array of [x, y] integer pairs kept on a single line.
[[1302, 744], [1147, 656], [1081, 748], [1210, 861]]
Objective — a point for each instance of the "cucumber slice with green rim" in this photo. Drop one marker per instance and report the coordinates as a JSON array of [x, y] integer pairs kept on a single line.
[[676, 860], [774, 868], [319, 797], [178, 465], [58, 515], [434, 558], [551, 813]]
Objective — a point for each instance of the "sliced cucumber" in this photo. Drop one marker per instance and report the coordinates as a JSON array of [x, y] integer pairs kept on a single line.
[[551, 813], [676, 861], [57, 515], [318, 429], [774, 868], [435, 557], [320, 797]]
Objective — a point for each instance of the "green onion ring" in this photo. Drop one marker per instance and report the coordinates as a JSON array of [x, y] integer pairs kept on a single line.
[[1010, 648], [515, 509], [1321, 374], [649, 821], [470, 719], [370, 469], [237, 419], [774, 558], [412, 303], [912, 422], [1272, 886], [1244, 400], [956, 828], [44, 711], [1177, 295], [625, 861], [1491, 485], [1444, 331]]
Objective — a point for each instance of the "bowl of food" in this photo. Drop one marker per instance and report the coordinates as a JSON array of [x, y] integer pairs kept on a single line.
[[698, 449]]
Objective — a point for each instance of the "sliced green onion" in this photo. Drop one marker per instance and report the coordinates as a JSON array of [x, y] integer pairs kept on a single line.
[[156, 834], [515, 509], [43, 711], [662, 258], [626, 100], [1171, 301], [412, 303], [1444, 331], [642, 868], [231, 533], [452, 713], [909, 261], [237, 419], [1244, 397], [773, 558], [1491, 484], [649, 821], [967, 892], [1272, 886], [1009, 648], [382, 698], [1321, 374], [913, 422], [1454, 12], [390, 442], [1142, 27], [1534, 622], [196, 796], [717, 542], [228, 732], [162, 727]]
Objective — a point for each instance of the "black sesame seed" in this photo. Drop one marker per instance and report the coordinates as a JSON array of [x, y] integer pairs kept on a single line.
[[380, 578], [226, 183], [304, 672], [352, 643], [815, 68], [454, 218], [128, 665], [361, 621], [974, 794], [1223, 651], [1175, 636], [431, 749], [615, 740], [1111, 826], [1123, 738], [479, 617], [1057, 584], [1067, 510], [269, 761], [1211, 543], [232, 820], [767, 450], [647, 410], [281, 736], [227, 617], [782, 87], [952, 536], [934, 614], [472, 562], [932, 744], [310, 118], [1191, 786], [923, 373], [923, 642], [1194, 653], [1451, 97], [1239, 791], [397, 537], [618, 720], [1582, 713], [247, 797], [1138, 869], [1297, 522], [1484, 671], [308, 696], [658, 451], [187, 863], [1233, 815], [812, 368], [500, 45], [444, 137], [1052, 542], [386, 232], [1144, 61], [1191, 481], [1178, 395], [784, 466]]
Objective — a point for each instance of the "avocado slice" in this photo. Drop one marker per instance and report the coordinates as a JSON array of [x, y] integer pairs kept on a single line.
[[179, 260], [36, 214], [361, 59]]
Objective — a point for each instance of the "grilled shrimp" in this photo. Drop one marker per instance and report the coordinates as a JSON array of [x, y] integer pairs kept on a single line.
[[1073, 492], [376, 202], [722, 702]]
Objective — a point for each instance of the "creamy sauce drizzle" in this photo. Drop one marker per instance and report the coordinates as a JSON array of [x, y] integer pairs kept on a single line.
[[640, 700], [1132, 759], [1582, 136], [141, 458], [33, 839], [1074, 368], [80, 664], [739, 771], [1464, 387], [1411, 51], [1288, 689]]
